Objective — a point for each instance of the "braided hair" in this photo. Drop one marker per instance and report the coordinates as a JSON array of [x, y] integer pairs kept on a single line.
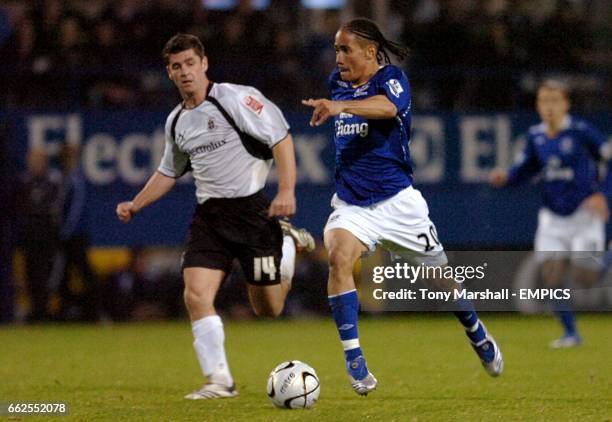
[[368, 30]]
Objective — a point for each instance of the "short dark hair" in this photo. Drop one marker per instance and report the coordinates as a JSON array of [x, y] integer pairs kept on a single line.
[[182, 42], [368, 30], [556, 85]]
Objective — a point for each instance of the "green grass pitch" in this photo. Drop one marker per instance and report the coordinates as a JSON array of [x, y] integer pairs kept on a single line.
[[425, 368]]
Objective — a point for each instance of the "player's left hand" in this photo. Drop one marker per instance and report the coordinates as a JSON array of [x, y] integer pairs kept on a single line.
[[323, 110], [598, 204], [283, 205]]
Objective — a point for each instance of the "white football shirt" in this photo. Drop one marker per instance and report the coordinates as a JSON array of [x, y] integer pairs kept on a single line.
[[221, 165]]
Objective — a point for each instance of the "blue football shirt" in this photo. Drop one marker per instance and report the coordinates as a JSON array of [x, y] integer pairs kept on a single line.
[[372, 156], [568, 164]]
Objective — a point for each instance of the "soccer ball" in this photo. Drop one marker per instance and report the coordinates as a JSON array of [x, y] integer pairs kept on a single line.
[[293, 384]]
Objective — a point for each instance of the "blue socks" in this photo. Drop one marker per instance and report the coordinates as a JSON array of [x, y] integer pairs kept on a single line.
[[568, 320], [468, 317], [345, 309], [474, 329], [566, 316]]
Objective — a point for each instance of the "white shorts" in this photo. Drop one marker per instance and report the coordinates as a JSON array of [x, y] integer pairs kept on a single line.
[[399, 224], [575, 236]]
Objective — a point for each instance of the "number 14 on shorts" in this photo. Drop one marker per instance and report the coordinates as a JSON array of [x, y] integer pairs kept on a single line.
[[265, 265]]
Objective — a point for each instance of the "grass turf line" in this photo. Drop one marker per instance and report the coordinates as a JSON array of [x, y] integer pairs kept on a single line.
[[425, 367]]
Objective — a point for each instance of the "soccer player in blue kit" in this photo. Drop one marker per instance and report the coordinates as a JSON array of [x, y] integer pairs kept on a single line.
[[571, 223], [375, 203]]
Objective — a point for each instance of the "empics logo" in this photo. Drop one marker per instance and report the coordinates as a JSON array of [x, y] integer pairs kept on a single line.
[[395, 87], [255, 105]]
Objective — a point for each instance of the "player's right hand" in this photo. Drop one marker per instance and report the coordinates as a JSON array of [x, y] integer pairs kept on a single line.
[[125, 211], [323, 110], [498, 178]]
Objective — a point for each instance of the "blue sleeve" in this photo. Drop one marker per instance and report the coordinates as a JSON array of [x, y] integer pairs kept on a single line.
[[526, 166], [596, 143], [393, 83], [601, 151]]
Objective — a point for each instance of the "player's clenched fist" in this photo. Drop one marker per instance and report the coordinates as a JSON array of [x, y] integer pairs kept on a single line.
[[125, 211], [283, 205]]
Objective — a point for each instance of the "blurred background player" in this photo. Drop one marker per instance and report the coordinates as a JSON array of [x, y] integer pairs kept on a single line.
[[226, 135], [375, 203], [8, 194], [566, 152], [72, 257], [39, 212]]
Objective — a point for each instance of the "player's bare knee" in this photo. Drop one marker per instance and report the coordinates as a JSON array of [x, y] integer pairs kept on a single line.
[[340, 261], [586, 277], [190, 301], [273, 312], [445, 284], [197, 300], [551, 280], [553, 273], [268, 310]]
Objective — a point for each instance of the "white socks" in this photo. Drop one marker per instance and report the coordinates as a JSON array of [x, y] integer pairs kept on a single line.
[[208, 344], [287, 266], [209, 336]]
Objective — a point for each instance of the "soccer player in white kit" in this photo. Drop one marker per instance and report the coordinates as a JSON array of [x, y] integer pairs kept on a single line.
[[571, 223], [227, 135]]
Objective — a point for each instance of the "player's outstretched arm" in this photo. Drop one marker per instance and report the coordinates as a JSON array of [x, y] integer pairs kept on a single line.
[[601, 151], [377, 107], [157, 186], [284, 157]]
